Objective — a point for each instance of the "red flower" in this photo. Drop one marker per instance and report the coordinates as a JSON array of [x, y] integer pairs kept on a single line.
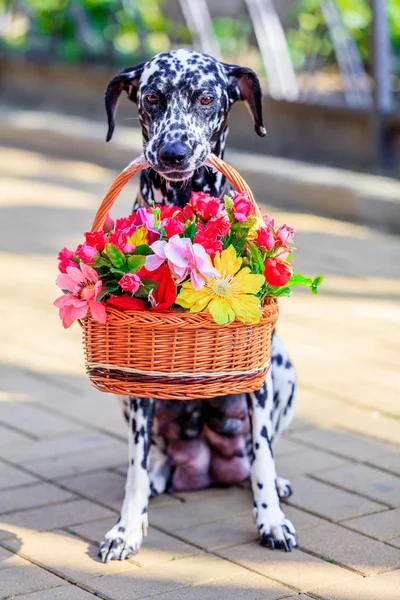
[[164, 295], [119, 239], [209, 241], [219, 226], [172, 226], [265, 238], [204, 205], [276, 273], [130, 282], [86, 253], [188, 212], [284, 235], [169, 212], [242, 206], [66, 258], [126, 303], [125, 222], [96, 239]]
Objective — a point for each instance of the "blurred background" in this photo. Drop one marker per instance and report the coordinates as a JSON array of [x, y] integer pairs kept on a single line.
[[330, 69], [330, 167]]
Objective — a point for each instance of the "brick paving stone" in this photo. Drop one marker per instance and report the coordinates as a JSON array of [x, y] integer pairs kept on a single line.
[[30, 496], [9, 437], [296, 569], [60, 446], [157, 547], [225, 532], [59, 467], [351, 549], [390, 462], [187, 514], [8, 559], [35, 420], [308, 461], [67, 555], [379, 587], [26, 578], [12, 477], [104, 486], [51, 517], [368, 481], [67, 592], [165, 577], [330, 502], [352, 446], [381, 526], [301, 519], [286, 447], [248, 586]]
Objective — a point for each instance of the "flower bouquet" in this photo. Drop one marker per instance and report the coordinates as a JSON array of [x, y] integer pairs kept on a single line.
[[179, 302]]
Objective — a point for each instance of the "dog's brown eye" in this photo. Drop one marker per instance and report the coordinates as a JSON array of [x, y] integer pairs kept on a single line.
[[152, 99], [206, 100]]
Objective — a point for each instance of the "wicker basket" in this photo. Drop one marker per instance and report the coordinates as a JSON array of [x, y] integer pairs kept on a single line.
[[176, 355]]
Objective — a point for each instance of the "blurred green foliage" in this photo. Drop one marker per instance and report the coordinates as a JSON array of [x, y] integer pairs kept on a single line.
[[76, 30], [310, 38]]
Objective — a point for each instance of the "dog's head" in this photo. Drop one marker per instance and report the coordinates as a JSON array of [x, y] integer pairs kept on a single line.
[[183, 99]]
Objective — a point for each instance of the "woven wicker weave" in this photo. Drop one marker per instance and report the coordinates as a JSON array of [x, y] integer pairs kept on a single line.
[[176, 355]]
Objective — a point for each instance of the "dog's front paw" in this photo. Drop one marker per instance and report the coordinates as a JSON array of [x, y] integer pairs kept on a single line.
[[280, 536], [121, 542], [276, 531]]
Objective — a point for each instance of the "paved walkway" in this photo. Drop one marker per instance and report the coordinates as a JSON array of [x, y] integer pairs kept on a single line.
[[63, 444]]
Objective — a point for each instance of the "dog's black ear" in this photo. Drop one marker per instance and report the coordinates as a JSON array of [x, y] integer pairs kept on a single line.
[[127, 80], [244, 85]]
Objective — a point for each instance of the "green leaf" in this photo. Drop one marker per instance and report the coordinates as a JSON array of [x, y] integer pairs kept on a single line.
[[190, 231], [245, 226], [117, 257], [108, 287], [101, 261], [145, 288], [228, 204], [143, 250], [256, 259], [135, 263]]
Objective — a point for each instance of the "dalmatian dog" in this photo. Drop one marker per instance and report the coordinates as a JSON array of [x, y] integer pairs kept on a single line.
[[183, 99]]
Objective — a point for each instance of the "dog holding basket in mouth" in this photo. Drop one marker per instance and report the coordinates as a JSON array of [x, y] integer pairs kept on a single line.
[[183, 99]]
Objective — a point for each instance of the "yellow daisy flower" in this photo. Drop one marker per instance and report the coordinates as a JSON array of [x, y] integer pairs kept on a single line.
[[228, 296]]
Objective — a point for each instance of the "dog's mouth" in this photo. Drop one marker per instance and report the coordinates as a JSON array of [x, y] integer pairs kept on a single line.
[[176, 175]]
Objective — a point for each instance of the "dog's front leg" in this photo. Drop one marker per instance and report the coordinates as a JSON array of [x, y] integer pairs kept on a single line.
[[126, 537], [276, 531]]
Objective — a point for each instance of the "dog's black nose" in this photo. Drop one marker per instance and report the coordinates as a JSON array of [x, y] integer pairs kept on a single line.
[[173, 153]]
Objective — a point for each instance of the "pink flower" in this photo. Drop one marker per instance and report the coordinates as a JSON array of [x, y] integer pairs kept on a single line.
[[269, 221], [96, 239], [183, 258], [130, 282], [83, 287], [86, 253], [108, 224], [242, 206], [265, 238], [204, 205], [119, 239], [66, 258], [171, 226], [284, 235]]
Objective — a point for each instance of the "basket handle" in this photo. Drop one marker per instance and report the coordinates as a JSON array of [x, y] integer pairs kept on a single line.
[[141, 163]]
